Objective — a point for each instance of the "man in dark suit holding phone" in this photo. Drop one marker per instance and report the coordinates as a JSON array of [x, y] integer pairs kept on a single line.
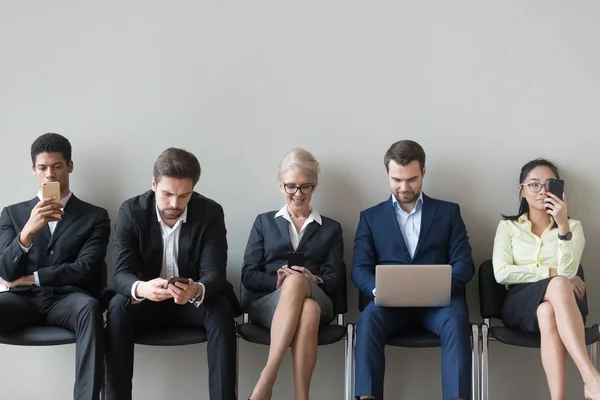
[[52, 251], [170, 270]]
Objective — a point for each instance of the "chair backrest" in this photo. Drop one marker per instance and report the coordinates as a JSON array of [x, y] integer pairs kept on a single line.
[[339, 297], [492, 294]]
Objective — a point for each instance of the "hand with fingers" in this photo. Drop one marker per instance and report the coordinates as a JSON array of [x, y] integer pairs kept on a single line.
[[182, 293], [558, 209], [153, 290], [47, 210]]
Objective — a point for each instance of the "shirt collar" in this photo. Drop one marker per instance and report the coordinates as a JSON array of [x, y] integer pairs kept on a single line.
[[314, 215], [63, 201], [182, 218], [524, 218], [418, 204]]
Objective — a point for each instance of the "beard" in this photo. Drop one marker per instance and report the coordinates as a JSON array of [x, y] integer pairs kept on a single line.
[[170, 213], [408, 198]]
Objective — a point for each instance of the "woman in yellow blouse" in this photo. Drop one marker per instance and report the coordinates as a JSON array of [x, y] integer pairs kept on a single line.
[[537, 254]]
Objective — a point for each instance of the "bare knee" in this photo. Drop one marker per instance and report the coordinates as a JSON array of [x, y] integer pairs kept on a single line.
[[310, 313], [559, 288], [295, 283], [545, 315]]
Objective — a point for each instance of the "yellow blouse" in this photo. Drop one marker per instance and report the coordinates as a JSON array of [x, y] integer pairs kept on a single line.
[[520, 256]]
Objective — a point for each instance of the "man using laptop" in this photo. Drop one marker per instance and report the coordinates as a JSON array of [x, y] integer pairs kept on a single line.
[[411, 228]]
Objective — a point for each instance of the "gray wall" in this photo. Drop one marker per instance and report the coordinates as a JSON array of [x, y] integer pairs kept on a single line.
[[483, 86]]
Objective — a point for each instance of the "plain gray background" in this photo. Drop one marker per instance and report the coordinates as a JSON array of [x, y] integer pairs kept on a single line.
[[484, 86]]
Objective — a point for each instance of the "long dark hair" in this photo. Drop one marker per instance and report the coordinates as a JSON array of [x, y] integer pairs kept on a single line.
[[527, 168]]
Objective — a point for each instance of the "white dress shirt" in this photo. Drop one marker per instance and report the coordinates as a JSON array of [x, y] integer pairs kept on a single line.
[[295, 236], [52, 227], [170, 239], [409, 223]]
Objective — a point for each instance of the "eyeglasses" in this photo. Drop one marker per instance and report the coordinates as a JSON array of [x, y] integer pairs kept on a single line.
[[536, 186], [291, 188]]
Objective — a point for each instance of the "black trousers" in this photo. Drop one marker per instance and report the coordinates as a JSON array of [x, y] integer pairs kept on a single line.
[[75, 311], [125, 318]]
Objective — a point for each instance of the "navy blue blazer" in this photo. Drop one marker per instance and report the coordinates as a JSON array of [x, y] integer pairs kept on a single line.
[[442, 240], [268, 247]]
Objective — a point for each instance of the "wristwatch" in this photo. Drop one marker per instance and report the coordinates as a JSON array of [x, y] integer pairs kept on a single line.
[[566, 237], [196, 299]]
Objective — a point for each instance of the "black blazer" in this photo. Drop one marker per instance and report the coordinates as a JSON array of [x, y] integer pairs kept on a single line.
[[268, 247], [72, 259], [138, 246]]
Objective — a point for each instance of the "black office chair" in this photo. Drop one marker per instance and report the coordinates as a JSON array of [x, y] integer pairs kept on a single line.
[[52, 335], [415, 338], [491, 300], [328, 334]]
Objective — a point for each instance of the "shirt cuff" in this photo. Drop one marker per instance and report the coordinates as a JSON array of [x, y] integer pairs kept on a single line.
[[198, 302], [133, 296], [374, 292], [23, 248], [36, 278]]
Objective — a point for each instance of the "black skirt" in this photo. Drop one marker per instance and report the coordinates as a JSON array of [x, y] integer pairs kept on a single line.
[[522, 300]]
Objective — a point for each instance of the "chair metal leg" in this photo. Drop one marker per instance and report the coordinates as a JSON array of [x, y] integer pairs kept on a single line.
[[349, 373], [484, 362], [475, 361]]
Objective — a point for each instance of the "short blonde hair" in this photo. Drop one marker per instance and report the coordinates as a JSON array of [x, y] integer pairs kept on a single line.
[[300, 160]]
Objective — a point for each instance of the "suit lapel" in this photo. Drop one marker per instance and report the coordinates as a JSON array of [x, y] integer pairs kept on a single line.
[[392, 225], [73, 210], [156, 244], [185, 238], [310, 230], [427, 217], [284, 229]]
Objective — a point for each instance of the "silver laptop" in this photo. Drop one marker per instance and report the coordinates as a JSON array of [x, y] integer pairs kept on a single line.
[[413, 285]]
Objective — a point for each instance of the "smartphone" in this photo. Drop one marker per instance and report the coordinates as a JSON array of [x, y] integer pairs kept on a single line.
[[295, 259], [179, 279], [556, 187], [50, 189]]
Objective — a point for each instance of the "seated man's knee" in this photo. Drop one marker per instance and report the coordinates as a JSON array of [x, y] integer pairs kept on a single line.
[[117, 305], [370, 320], [218, 306]]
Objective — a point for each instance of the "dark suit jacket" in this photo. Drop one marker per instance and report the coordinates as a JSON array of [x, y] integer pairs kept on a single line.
[[442, 240], [138, 246], [72, 259], [268, 247]]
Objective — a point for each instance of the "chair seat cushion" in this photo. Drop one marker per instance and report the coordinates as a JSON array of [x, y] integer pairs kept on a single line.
[[515, 337], [170, 336], [38, 336], [414, 338], [328, 334]]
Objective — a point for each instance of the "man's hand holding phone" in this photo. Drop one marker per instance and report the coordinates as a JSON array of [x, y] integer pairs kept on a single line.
[[182, 289], [47, 210], [154, 290]]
